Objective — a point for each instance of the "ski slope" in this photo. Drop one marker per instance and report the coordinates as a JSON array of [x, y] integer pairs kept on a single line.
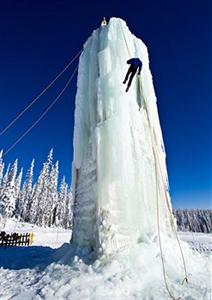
[[30, 272]]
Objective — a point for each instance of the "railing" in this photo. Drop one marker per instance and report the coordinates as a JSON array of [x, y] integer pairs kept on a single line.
[[16, 239]]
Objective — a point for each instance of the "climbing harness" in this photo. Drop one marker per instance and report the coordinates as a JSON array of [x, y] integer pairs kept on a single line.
[[43, 114], [39, 95], [153, 138]]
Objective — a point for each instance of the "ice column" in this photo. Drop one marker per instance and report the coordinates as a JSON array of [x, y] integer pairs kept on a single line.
[[114, 170]]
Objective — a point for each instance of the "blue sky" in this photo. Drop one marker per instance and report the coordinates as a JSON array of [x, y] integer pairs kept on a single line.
[[38, 38]]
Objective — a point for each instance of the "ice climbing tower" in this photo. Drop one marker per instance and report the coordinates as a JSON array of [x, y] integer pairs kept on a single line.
[[116, 180]]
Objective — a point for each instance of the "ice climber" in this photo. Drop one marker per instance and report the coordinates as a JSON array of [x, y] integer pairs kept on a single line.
[[135, 64]]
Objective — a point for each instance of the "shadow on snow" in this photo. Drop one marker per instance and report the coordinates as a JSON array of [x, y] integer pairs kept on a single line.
[[16, 258], [38, 257]]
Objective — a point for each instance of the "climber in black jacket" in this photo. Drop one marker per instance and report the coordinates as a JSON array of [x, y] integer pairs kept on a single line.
[[135, 64]]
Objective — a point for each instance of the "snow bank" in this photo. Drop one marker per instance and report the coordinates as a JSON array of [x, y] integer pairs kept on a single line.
[[28, 272], [134, 275]]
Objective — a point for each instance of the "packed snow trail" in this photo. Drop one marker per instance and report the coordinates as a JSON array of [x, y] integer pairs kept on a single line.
[[114, 167], [132, 277]]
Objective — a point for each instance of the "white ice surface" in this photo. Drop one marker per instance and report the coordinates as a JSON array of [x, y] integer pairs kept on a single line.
[[132, 275], [114, 172]]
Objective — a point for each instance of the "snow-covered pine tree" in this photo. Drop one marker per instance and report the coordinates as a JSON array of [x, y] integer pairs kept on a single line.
[[207, 215], [27, 193], [1, 167], [61, 204], [42, 203], [50, 205], [68, 210], [8, 194], [20, 204], [40, 194], [18, 194], [2, 202], [4, 179], [196, 220]]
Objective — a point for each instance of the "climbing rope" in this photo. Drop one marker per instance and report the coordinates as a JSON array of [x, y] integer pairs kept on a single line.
[[157, 210], [43, 114], [39, 95], [157, 161], [152, 134], [159, 234]]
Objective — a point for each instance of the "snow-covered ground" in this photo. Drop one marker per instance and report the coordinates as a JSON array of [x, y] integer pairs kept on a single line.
[[201, 242], [45, 237], [31, 273], [56, 237]]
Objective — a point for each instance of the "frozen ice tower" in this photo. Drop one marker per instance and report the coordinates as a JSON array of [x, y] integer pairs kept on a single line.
[[119, 170]]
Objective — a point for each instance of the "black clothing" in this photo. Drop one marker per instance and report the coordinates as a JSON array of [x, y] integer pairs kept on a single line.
[[135, 64], [131, 70]]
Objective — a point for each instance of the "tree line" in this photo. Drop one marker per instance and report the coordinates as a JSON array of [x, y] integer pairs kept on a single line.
[[42, 202], [46, 202], [196, 220]]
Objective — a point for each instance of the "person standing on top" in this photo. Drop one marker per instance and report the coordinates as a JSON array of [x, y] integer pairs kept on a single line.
[[135, 64]]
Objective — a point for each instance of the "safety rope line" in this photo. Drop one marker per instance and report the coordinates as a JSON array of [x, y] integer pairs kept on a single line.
[[167, 201], [159, 233], [39, 95], [43, 114], [152, 134], [164, 184], [157, 203]]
